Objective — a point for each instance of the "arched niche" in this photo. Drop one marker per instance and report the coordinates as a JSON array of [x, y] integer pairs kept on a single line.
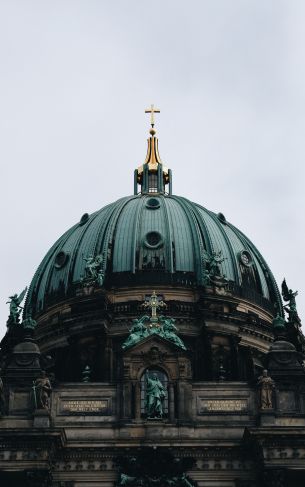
[[149, 374], [156, 353]]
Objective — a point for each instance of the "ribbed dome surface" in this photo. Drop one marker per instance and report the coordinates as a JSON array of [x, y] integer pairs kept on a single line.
[[151, 239]]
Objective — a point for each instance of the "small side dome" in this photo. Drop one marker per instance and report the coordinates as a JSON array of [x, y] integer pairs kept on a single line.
[[26, 347]]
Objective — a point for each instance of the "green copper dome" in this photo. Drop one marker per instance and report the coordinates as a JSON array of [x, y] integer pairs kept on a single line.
[[152, 239]]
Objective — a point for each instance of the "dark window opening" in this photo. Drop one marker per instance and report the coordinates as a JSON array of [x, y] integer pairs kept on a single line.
[[152, 183]]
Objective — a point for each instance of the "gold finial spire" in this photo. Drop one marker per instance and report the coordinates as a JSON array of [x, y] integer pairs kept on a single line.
[[152, 110], [153, 176]]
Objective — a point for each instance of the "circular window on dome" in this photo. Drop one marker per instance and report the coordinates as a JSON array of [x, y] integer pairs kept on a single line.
[[61, 259], [84, 219], [153, 204], [153, 240], [245, 258]]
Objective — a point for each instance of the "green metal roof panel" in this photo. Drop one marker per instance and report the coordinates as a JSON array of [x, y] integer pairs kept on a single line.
[[125, 231], [181, 237]]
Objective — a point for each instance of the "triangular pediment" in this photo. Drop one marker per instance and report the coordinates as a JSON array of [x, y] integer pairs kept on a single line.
[[154, 340]]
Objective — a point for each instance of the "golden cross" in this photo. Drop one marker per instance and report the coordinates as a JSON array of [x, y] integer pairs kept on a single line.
[[152, 112], [154, 303]]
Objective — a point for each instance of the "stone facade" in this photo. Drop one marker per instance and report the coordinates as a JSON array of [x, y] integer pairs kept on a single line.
[[216, 422]]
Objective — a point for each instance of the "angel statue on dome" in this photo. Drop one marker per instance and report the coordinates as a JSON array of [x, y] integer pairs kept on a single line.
[[15, 308], [291, 307]]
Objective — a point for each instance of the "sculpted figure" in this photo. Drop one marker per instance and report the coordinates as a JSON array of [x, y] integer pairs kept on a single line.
[[170, 330], [266, 388], [213, 260], [42, 390], [138, 331], [155, 394], [291, 307], [93, 270], [180, 481], [212, 273], [127, 480], [15, 308]]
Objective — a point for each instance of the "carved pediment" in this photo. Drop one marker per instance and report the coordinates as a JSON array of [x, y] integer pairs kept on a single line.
[[154, 340]]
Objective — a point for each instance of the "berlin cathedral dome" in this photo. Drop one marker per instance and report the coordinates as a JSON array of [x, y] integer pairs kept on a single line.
[[153, 239], [153, 348]]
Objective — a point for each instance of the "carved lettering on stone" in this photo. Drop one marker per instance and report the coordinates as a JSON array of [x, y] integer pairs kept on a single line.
[[222, 405], [84, 406]]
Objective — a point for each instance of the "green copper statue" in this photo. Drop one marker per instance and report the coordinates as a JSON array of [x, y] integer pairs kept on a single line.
[[15, 308], [212, 273], [291, 307], [169, 330], [128, 480], [155, 395], [94, 273], [153, 325], [137, 332], [144, 327]]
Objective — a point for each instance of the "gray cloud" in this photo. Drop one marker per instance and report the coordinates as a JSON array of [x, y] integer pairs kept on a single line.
[[75, 78]]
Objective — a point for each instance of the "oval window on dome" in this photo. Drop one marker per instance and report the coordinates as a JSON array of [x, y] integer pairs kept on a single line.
[[153, 240], [153, 204], [245, 258], [61, 259]]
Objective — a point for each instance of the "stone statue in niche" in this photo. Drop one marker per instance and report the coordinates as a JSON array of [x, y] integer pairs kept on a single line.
[[155, 395], [41, 392], [265, 387], [15, 308], [291, 307]]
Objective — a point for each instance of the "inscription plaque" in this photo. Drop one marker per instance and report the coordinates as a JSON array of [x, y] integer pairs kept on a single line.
[[222, 405], [84, 406]]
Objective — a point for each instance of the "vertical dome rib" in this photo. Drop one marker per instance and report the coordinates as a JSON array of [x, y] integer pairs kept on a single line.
[[196, 236], [124, 235], [168, 235], [183, 245]]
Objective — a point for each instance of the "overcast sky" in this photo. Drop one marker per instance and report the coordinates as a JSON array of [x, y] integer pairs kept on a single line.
[[76, 76]]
